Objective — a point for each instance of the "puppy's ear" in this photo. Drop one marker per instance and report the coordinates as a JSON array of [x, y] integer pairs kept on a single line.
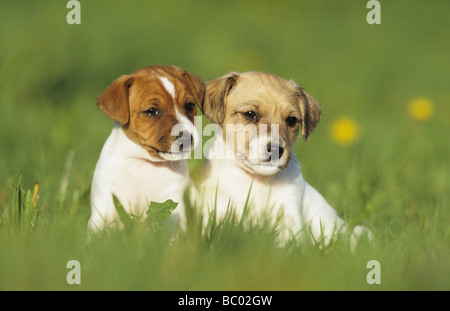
[[215, 99], [197, 87], [114, 100], [310, 111]]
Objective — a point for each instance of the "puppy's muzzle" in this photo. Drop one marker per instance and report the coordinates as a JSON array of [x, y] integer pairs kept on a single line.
[[274, 152], [184, 141]]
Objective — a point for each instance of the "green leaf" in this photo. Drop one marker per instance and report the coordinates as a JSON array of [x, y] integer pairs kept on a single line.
[[158, 212]]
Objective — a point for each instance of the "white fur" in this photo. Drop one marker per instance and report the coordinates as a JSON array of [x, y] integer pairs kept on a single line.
[[126, 171], [170, 88], [287, 194]]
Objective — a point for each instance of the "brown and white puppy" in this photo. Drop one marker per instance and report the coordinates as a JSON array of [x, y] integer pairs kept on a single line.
[[261, 116], [144, 158]]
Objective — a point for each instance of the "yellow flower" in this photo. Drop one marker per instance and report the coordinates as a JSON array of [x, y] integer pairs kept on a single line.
[[421, 109], [345, 131]]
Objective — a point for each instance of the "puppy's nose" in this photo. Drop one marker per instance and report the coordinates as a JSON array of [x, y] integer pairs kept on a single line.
[[270, 151], [185, 140]]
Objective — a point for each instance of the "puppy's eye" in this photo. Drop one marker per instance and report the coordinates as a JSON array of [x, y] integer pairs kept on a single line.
[[189, 107], [251, 115], [291, 121], [152, 112]]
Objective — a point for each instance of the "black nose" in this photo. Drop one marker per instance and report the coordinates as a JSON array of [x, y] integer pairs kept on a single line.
[[185, 140], [272, 155]]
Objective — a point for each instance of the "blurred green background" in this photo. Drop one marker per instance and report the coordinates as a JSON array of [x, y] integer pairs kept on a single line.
[[51, 74]]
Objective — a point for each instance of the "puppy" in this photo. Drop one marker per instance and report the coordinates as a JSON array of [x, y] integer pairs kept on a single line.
[[261, 116], [144, 158]]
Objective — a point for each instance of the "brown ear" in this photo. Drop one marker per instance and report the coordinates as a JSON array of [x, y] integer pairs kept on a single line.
[[310, 111], [114, 100], [215, 98], [197, 87]]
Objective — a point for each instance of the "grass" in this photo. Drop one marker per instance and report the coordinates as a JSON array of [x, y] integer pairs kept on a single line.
[[394, 179]]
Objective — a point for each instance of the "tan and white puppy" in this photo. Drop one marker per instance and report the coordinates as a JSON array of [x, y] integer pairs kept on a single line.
[[261, 116], [144, 158]]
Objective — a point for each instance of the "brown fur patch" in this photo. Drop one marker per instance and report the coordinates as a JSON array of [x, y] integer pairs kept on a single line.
[[114, 100], [215, 98], [311, 112]]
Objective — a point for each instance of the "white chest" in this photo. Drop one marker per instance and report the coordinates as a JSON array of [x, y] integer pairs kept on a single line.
[[228, 183], [125, 171]]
